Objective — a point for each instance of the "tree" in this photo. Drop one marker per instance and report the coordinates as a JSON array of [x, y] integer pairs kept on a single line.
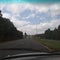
[[58, 33], [52, 34], [25, 34], [8, 31], [48, 34]]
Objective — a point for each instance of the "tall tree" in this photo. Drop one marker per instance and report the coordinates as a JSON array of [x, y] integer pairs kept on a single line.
[[8, 30]]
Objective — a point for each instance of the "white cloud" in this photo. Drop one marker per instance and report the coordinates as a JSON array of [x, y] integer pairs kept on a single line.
[[6, 15], [44, 26], [1, 6], [31, 29], [54, 10], [26, 26], [30, 16], [14, 8]]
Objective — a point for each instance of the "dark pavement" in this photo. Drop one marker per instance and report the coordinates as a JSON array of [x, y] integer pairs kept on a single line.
[[18, 46]]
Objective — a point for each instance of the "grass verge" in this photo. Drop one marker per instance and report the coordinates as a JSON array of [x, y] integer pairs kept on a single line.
[[54, 45]]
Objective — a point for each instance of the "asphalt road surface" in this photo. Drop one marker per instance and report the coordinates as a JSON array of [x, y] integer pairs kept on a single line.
[[18, 46]]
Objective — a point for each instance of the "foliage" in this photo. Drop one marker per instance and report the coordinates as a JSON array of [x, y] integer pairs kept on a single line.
[[8, 31], [51, 34]]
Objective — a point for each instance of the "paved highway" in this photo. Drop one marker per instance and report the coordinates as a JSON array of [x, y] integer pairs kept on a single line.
[[18, 46]]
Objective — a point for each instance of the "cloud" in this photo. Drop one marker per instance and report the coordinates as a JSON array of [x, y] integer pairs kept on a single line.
[[6, 15], [26, 16], [31, 29]]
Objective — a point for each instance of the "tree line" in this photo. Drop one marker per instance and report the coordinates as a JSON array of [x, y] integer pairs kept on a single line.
[[51, 34], [8, 31]]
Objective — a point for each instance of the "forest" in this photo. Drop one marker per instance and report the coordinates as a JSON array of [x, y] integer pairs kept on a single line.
[[51, 34], [8, 31]]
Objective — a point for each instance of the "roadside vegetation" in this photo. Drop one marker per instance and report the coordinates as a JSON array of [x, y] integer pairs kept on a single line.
[[8, 31], [53, 45], [51, 34], [51, 39]]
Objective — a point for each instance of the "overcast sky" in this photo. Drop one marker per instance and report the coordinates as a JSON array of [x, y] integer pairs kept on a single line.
[[25, 16]]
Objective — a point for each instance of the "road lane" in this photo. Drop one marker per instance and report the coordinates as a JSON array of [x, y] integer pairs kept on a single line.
[[24, 43]]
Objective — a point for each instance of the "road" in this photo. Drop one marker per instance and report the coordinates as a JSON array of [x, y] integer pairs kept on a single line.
[[18, 44]]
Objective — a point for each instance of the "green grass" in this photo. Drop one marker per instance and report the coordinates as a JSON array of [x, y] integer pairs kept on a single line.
[[52, 44]]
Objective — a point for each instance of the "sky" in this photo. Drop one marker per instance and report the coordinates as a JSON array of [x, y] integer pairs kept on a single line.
[[32, 16]]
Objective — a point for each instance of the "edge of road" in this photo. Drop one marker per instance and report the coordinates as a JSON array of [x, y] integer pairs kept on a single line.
[[49, 49], [10, 41]]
